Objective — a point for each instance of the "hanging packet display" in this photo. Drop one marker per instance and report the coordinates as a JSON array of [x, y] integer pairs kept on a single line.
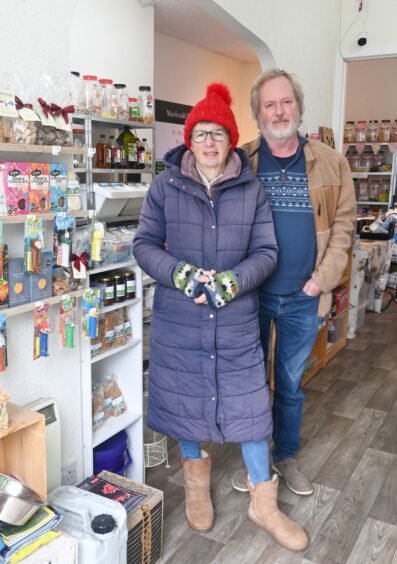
[[33, 243], [3, 342], [63, 230], [41, 329], [90, 313], [67, 322]]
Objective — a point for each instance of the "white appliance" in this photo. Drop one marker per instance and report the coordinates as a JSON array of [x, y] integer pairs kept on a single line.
[[48, 407]]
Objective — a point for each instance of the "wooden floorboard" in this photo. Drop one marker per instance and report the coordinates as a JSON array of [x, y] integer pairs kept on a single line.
[[348, 450]]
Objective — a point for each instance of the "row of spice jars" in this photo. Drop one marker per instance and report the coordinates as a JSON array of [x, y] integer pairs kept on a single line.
[[116, 287], [371, 132]]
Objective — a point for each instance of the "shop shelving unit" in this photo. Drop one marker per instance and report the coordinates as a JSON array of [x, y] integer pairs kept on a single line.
[[125, 362]]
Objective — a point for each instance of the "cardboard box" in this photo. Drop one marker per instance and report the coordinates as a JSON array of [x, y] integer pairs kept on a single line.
[[58, 187], [18, 283], [14, 188], [39, 188], [41, 282]]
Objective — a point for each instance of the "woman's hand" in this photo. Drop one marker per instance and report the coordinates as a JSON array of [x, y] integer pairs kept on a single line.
[[202, 299]]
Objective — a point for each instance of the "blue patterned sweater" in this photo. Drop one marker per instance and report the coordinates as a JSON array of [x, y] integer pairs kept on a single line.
[[286, 185]]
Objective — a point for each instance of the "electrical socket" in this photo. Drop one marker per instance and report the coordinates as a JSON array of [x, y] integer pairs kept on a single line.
[[69, 473]]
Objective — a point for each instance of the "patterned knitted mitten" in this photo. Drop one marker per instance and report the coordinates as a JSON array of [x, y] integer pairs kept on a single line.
[[220, 289], [185, 278]]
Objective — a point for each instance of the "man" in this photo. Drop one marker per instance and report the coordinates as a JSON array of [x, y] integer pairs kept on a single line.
[[311, 194]]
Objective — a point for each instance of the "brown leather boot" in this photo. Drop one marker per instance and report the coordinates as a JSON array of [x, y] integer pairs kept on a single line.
[[199, 510], [263, 511]]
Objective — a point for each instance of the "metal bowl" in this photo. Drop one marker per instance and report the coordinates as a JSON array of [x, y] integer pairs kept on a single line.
[[17, 502]]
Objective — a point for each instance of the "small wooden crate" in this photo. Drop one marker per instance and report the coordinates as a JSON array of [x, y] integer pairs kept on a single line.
[[145, 522]]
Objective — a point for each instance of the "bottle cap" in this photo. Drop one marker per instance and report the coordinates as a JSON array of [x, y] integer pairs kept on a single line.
[[136, 99], [103, 524], [75, 73], [105, 81], [145, 88], [89, 77], [119, 85]]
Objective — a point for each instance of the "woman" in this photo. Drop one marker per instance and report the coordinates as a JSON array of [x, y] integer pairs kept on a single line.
[[206, 236]]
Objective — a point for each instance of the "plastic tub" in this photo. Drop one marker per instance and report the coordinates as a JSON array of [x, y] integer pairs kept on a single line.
[[113, 454]]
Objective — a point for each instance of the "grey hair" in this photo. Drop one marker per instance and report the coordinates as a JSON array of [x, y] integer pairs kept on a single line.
[[269, 75]]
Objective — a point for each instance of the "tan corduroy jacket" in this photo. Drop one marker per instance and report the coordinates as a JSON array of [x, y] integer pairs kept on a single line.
[[333, 199]]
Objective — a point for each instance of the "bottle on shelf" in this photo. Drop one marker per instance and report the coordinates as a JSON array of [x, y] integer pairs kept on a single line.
[[100, 152], [148, 153], [128, 140], [107, 155], [115, 155], [141, 150]]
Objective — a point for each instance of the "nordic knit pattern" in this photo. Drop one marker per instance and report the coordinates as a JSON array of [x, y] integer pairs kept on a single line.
[[220, 289]]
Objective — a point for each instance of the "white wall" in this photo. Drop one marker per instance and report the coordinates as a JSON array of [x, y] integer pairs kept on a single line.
[[371, 89], [91, 36], [303, 39], [378, 18], [182, 71]]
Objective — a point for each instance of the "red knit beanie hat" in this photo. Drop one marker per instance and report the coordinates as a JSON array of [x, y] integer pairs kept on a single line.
[[215, 107]]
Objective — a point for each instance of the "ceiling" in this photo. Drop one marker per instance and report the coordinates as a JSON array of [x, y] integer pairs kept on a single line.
[[184, 20]]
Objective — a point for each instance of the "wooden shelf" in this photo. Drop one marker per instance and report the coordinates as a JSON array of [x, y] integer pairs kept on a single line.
[[114, 425], [47, 149], [119, 305], [45, 216], [115, 266], [18, 310], [22, 448], [115, 350]]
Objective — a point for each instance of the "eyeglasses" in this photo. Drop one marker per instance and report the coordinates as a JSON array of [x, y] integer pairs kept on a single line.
[[199, 135]]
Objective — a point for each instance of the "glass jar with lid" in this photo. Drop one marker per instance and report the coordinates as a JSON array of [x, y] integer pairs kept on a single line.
[[355, 162], [109, 290], [133, 109], [119, 287], [145, 102], [88, 83], [385, 131], [78, 130], [372, 131], [366, 161], [130, 285], [393, 133], [348, 134], [122, 100], [107, 93], [360, 131]]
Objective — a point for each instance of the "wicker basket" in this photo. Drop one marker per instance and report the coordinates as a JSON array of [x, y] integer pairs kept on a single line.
[[4, 397]]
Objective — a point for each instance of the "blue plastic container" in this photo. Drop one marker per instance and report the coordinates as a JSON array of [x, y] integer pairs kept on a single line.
[[113, 455]]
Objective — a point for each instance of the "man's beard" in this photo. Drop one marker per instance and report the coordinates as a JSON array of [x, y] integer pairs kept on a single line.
[[285, 133]]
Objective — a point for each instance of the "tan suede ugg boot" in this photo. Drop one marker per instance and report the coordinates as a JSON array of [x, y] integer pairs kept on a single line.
[[264, 511], [199, 510]]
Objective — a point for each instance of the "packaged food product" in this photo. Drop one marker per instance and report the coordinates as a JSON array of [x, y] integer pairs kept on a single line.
[[98, 407], [360, 131], [39, 187], [385, 131], [119, 405], [14, 187], [372, 131], [58, 188]]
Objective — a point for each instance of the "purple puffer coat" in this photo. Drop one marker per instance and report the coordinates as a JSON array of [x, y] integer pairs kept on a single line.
[[207, 374]]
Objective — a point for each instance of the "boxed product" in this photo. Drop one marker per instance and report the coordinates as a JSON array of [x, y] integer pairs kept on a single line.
[[58, 188], [4, 276], [18, 283], [39, 188], [41, 283], [14, 188]]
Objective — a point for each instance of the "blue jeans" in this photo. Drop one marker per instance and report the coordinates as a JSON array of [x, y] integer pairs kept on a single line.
[[296, 320], [255, 454]]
